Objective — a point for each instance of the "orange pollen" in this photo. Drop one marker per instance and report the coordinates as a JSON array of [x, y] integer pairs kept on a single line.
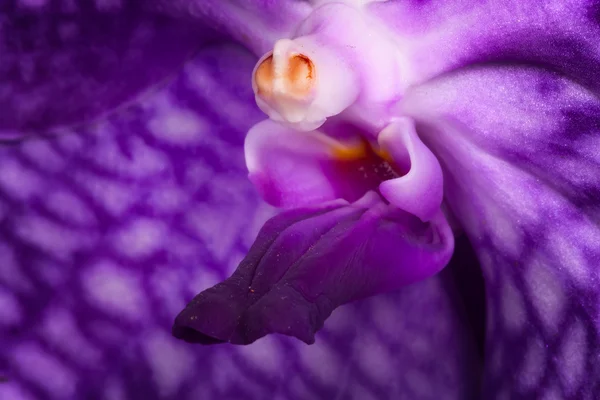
[[298, 76], [264, 76]]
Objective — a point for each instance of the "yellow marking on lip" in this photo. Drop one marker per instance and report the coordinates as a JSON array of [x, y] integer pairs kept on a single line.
[[358, 151], [349, 153], [383, 154]]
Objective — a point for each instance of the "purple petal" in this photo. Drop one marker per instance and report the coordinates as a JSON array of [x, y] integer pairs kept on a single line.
[[107, 230], [522, 176], [66, 64], [292, 168], [440, 36], [307, 262]]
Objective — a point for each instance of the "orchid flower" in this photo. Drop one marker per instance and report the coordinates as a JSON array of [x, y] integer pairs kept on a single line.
[[144, 145]]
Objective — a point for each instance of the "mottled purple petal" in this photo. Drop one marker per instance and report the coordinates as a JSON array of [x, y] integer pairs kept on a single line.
[[107, 230], [65, 62], [307, 262], [440, 36], [523, 177]]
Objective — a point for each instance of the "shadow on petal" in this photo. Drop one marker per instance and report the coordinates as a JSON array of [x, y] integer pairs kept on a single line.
[[306, 262]]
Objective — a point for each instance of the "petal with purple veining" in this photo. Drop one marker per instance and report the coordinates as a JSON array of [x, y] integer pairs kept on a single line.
[[521, 169], [437, 37]]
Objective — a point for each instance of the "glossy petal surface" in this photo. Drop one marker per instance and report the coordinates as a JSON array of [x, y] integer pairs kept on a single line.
[[421, 189]]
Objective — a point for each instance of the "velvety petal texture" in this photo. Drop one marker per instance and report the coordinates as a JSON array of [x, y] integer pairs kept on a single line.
[[517, 134], [107, 231], [442, 36], [307, 262], [522, 175], [66, 62]]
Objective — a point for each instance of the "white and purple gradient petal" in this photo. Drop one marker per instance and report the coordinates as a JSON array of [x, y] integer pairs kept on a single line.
[[420, 191], [291, 168], [294, 168], [437, 37]]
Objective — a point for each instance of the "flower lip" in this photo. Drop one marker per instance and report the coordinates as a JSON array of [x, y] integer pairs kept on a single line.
[[292, 168], [308, 261]]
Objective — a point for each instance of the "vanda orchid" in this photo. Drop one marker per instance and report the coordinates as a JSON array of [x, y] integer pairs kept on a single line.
[[437, 160]]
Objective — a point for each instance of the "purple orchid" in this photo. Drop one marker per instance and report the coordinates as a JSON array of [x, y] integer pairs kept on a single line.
[[402, 139]]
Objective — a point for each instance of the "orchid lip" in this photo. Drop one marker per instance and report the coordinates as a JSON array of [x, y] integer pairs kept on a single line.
[[292, 168], [306, 262]]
